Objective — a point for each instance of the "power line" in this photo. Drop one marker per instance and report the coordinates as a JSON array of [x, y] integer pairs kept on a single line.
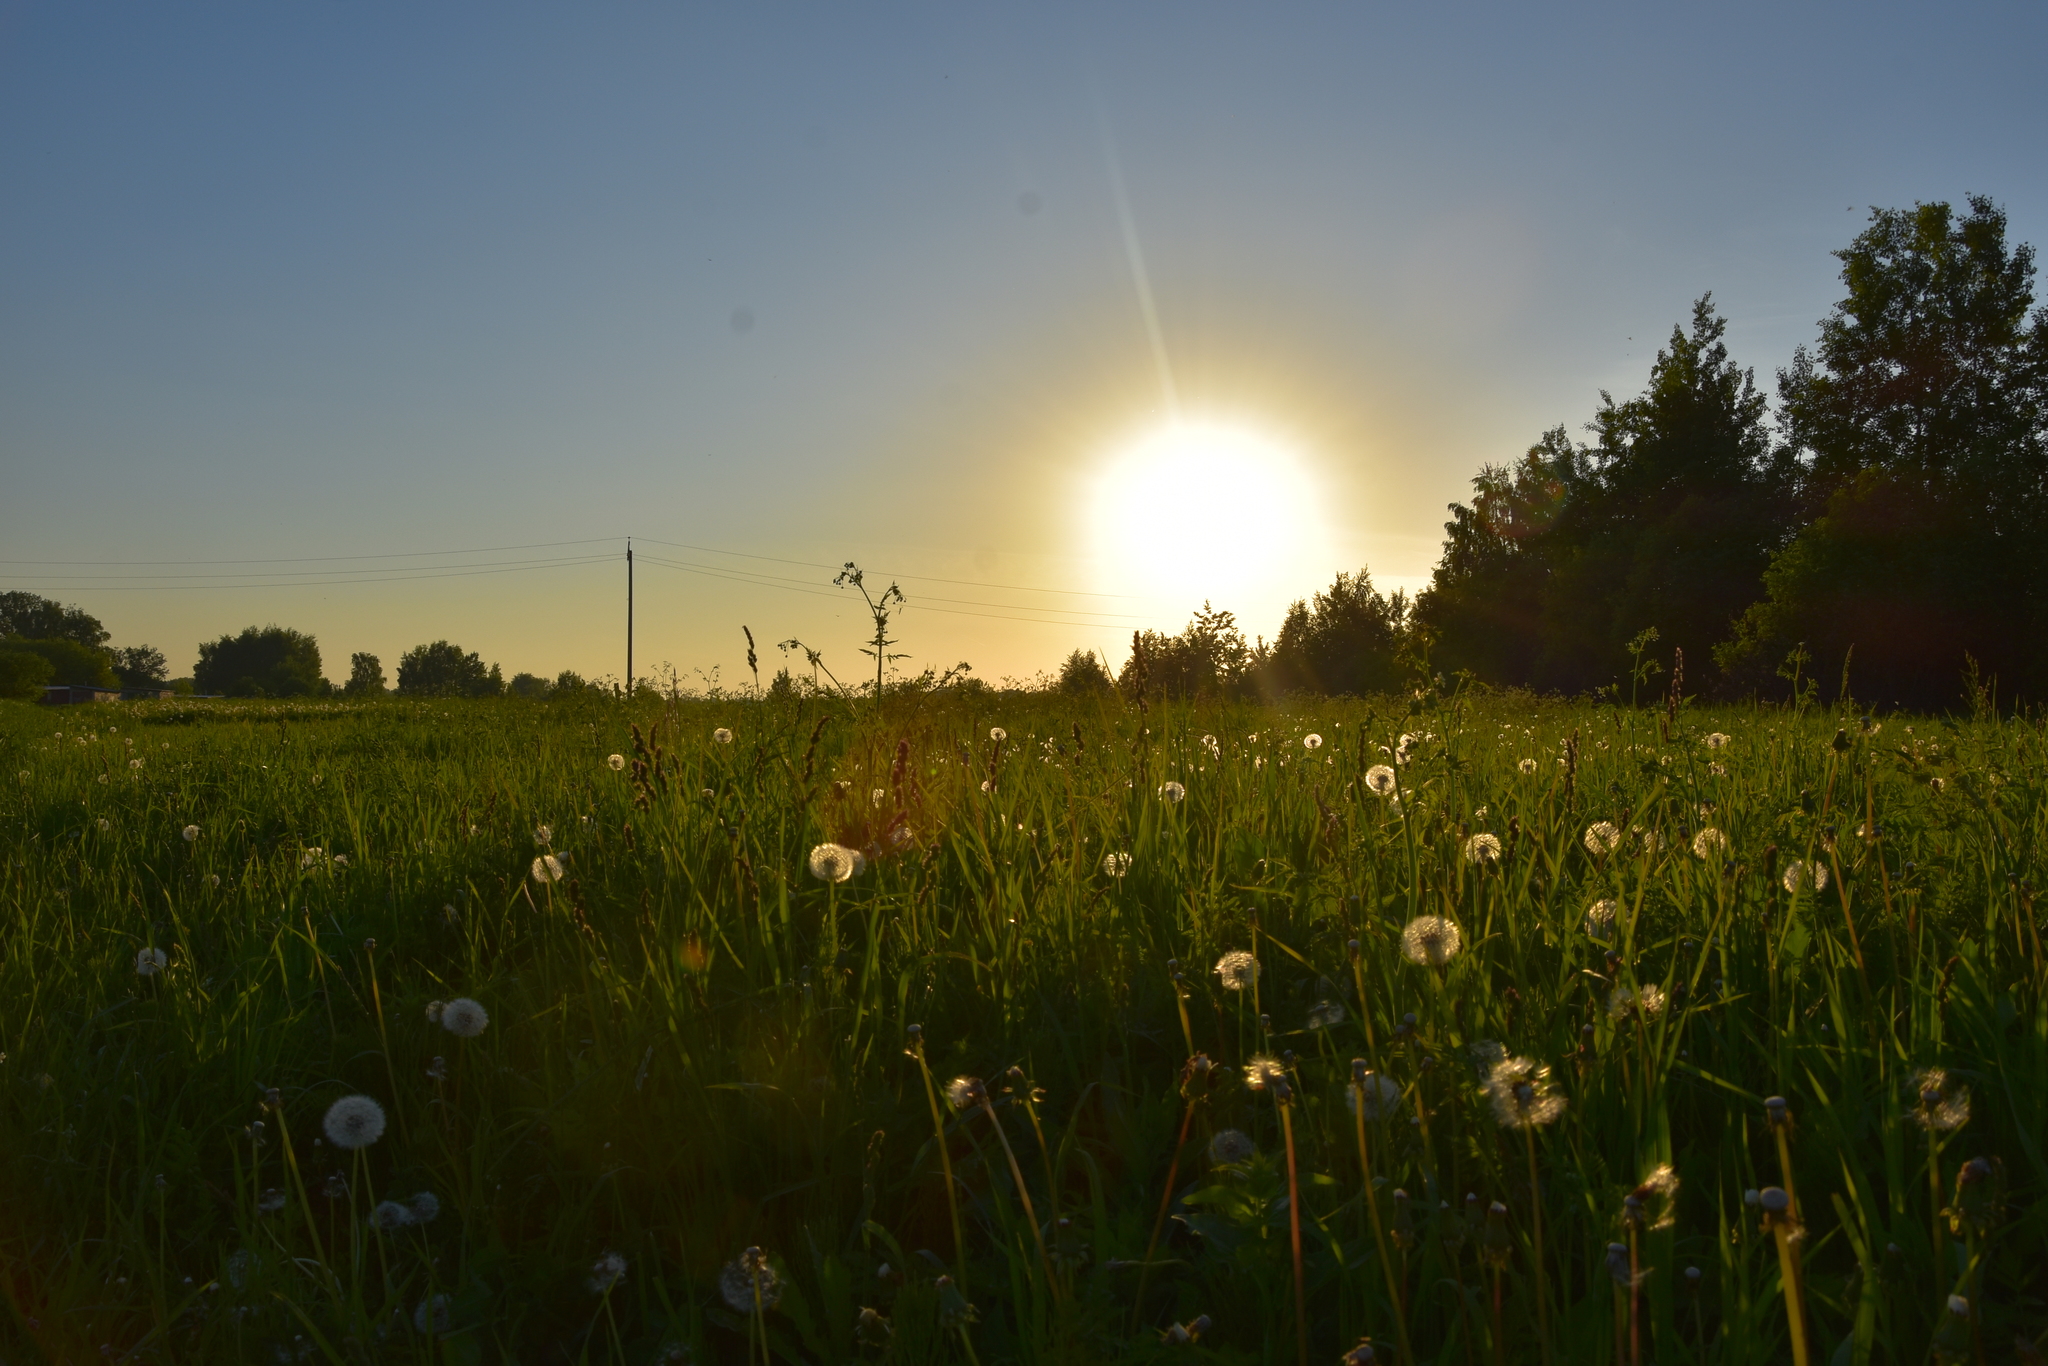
[[919, 578], [317, 559], [772, 579], [313, 575], [435, 573], [789, 586]]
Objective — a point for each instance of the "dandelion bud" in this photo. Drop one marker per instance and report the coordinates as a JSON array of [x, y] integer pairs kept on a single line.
[[1403, 1230], [1361, 1355], [1360, 1070], [1494, 1245], [1779, 1114], [871, 1329], [1617, 1264], [1693, 1277]]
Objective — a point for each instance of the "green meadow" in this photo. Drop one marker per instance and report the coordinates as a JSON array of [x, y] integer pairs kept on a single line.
[[1580, 1034]]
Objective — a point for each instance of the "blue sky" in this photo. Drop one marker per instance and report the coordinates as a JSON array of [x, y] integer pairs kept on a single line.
[[291, 281]]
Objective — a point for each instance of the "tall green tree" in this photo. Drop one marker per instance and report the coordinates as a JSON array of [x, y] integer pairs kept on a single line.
[[263, 661], [445, 670], [1342, 642], [30, 616], [365, 676], [142, 666], [1922, 419]]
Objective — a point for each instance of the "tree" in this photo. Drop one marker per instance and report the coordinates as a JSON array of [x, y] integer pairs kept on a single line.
[[1082, 675], [527, 685], [1922, 416], [1343, 643], [443, 670], [1209, 658], [23, 674], [31, 616], [568, 680], [263, 661], [365, 676], [142, 666], [70, 662]]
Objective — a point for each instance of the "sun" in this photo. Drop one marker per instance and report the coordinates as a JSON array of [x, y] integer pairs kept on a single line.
[[1200, 511]]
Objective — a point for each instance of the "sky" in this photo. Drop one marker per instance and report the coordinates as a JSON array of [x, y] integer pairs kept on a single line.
[[392, 323]]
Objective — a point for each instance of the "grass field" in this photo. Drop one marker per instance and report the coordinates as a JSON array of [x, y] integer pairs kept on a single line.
[[688, 1046]]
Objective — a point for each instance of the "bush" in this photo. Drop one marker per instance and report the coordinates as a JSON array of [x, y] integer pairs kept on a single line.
[[528, 685], [263, 661], [1082, 674], [23, 674]]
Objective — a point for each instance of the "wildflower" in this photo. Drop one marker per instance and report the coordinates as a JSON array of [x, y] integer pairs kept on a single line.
[[722, 736], [149, 962], [1380, 779], [1215, 750], [832, 863], [1936, 784], [1799, 873], [962, 1092], [1116, 864], [1482, 848], [1311, 741], [464, 1018], [1431, 941], [607, 1271], [1237, 970], [354, 1122], [1261, 1072], [424, 1207], [548, 868], [190, 832], [309, 857], [105, 824], [1600, 918], [1709, 844], [1325, 1015], [1602, 837], [617, 762], [998, 734], [1718, 770], [434, 1009], [135, 763], [1173, 792], [432, 1316], [1520, 1092], [749, 1283], [1382, 1096], [543, 834], [1526, 767], [1231, 1146], [1943, 1104], [390, 1215], [1716, 741], [1647, 999]]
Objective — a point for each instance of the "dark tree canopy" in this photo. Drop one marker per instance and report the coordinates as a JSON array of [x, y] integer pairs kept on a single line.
[[1082, 674], [1344, 642], [23, 674], [263, 661], [1210, 658], [70, 662], [527, 685], [365, 676], [1923, 418], [444, 670], [142, 666], [30, 616]]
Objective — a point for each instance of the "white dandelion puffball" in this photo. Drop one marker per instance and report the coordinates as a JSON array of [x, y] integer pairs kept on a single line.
[[1431, 941], [834, 863], [543, 834], [341, 860], [1261, 1071], [1648, 1000], [390, 1215], [190, 832], [548, 868], [607, 1271], [1709, 844], [464, 1018], [1116, 864], [425, 1206], [1237, 970], [722, 736], [1380, 779], [135, 763], [354, 1122], [434, 1009], [1941, 1103], [998, 734], [1718, 770], [1325, 1015], [1801, 874], [617, 762], [1602, 838], [988, 784], [1600, 918], [149, 962], [311, 856], [748, 1282], [1311, 741], [1173, 792], [1230, 1147], [432, 1317], [961, 1092], [1215, 750], [1716, 741], [1482, 848], [879, 796], [1526, 767], [1521, 1094], [1382, 1097]]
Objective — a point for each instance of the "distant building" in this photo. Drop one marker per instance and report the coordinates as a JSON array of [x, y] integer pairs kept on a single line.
[[147, 694], [63, 694]]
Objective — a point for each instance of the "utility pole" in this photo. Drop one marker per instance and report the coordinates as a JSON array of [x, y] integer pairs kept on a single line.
[[629, 618]]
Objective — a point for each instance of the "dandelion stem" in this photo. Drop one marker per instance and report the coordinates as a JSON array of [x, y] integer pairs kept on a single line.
[[1023, 1197], [1536, 1246], [1294, 1227], [1379, 1232], [931, 1097], [1165, 1202]]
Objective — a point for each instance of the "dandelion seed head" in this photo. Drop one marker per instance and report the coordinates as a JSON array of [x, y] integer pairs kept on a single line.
[[998, 734], [1261, 1071], [390, 1215], [606, 1272], [1325, 1015], [1716, 741], [1431, 941], [190, 832], [1600, 918], [749, 1281], [1800, 874], [833, 863], [543, 834], [547, 868], [1526, 767], [616, 761], [962, 1092], [1602, 838], [1943, 1104], [1173, 792], [1648, 1000], [354, 1122], [433, 1315], [1116, 864], [1231, 1146], [1381, 1096], [1482, 848], [1237, 970], [1521, 1095], [464, 1018], [425, 1206], [721, 736], [149, 962], [1709, 844], [1311, 741]]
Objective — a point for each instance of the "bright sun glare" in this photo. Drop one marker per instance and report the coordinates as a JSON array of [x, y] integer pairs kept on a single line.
[[1197, 511]]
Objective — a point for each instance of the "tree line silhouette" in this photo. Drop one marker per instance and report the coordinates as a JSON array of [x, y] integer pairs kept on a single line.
[[1885, 525]]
